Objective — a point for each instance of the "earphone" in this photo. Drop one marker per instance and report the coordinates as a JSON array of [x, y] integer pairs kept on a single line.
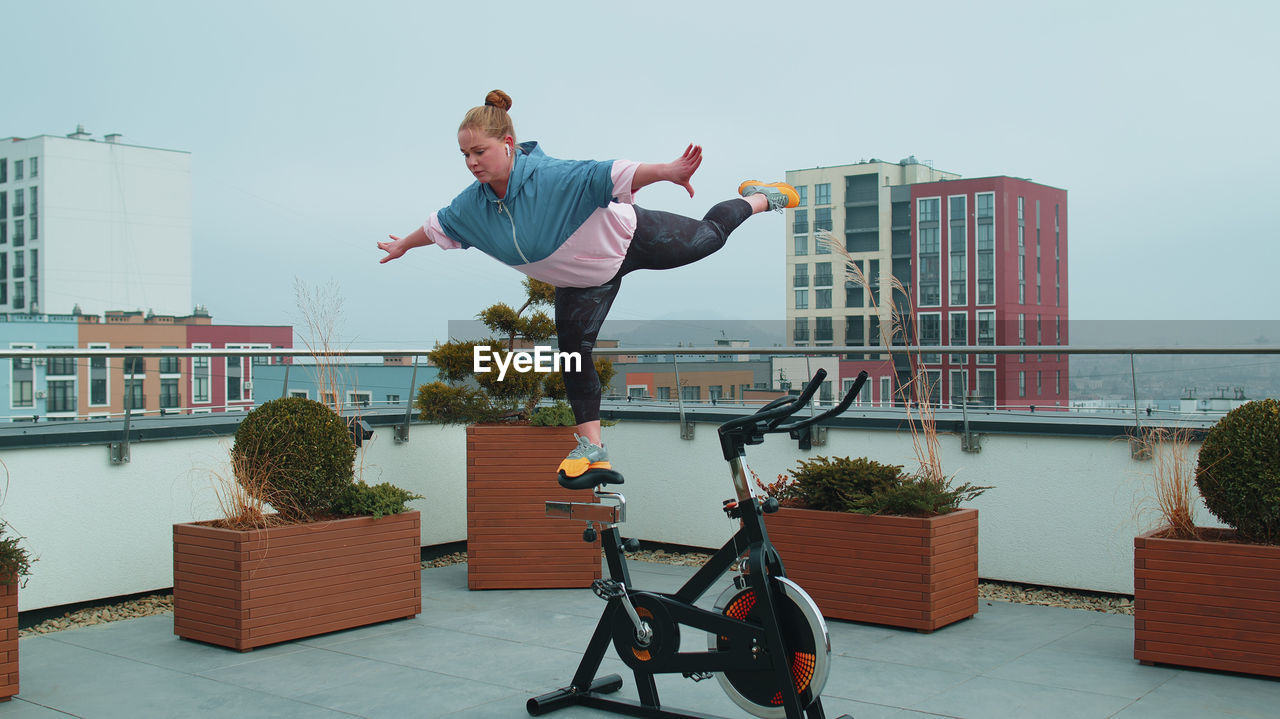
[[508, 149]]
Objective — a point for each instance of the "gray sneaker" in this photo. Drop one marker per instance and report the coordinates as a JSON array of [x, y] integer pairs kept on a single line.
[[584, 457], [780, 194]]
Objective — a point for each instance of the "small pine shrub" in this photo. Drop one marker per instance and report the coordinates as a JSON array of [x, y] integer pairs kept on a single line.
[[15, 560], [1238, 471], [296, 454], [379, 500], [919, 496], [864, 486], [454, 404], [559, 414], [842, 483]]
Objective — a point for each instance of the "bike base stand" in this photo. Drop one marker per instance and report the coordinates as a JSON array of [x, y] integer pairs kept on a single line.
[[611, 683]]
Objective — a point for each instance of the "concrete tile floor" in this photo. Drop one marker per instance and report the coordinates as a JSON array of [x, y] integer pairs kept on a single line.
[[483, 654]]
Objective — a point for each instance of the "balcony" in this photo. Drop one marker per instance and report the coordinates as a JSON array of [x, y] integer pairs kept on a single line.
[[485, 653]]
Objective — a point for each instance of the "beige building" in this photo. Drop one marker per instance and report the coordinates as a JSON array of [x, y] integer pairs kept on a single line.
[[866, 206]]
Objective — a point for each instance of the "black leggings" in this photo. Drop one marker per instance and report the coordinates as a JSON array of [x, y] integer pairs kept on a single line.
[[662, 241]]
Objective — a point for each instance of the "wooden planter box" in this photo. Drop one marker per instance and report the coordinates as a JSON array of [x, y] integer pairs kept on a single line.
[[915, 572], [511, 543], [8, 640], [246, 589], [1207, 604]]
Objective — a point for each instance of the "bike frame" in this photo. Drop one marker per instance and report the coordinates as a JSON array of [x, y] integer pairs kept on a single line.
[[763, 568]]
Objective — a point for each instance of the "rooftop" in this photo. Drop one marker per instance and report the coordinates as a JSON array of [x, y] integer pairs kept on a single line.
[[485, 653]]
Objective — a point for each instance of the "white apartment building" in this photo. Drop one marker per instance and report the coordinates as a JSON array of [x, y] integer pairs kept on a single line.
[[97, 224], [867, 207]]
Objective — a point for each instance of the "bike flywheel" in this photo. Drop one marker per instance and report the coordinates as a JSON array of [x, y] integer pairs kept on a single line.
[[804, 634]]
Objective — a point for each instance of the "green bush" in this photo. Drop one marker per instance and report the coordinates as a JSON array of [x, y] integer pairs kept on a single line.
[[920, 496], [513, 398], [864, 486], [559, 414], [379, 500], [296, 454], [841, 483], [1238, 471], [454, 404], [15, 560]]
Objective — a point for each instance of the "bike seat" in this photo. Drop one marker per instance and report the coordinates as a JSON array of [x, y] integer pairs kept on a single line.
[[590, 478]]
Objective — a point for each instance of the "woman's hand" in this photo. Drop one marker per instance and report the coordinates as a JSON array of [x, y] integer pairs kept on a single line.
[[394, 249], [682, 169], [400, 245]]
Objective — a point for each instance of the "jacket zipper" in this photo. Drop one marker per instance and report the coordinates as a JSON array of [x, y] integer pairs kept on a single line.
[[503, 209]]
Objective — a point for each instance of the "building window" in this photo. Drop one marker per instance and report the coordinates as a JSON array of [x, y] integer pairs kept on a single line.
[[691, 393], [986, 334], [802, 329], [17, 169], [22, 379], [822, 274], [359, 399], [4, 169], [930, 335], [822, 221], [801, 224], [19, 207], [664, 393], [802, 276], [822, 194], [959, 335], [35, 202], [1022, 384], [19, 233], [986, 234], [201, 376], [854, 329], [715, 392], [98, 379], [304, 394], [1057, 382], [822, 299], [393, 399], [1039, 385], [170, 365], [959, 386], [62, 366], [62, 395], [803, 192], [235, 378], [169, 397], [19, 265], [19, 296], [852, 294], [822, 330], [34, 166], [958, 260], [930, 293], [987, 388], [802, 245], [802, 299]]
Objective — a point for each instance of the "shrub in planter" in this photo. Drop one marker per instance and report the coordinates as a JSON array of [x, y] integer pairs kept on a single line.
[[872, 544], [1238, 472], [469, 397], [254, 578], [864, 486], [1206, 597], [15, 566]]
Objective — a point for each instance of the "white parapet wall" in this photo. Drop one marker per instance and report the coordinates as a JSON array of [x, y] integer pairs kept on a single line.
[[1063, 511]]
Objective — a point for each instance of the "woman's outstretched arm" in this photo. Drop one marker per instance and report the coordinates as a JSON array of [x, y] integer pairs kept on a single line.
[[678, 171], [400, 245]]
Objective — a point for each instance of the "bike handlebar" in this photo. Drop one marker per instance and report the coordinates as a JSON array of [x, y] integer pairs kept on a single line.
[[737, 433]]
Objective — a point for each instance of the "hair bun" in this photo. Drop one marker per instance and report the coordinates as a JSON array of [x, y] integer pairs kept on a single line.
[[498, 98]]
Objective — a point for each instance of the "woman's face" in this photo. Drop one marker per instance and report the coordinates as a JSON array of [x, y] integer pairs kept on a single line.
[[488, 158]]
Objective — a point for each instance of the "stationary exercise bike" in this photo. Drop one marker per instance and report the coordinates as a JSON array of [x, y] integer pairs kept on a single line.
[[766, 641]]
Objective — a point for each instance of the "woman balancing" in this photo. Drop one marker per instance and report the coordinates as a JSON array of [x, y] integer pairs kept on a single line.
[[572, 224]]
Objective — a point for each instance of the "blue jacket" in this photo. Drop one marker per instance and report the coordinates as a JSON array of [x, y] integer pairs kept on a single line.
[[547, 199]]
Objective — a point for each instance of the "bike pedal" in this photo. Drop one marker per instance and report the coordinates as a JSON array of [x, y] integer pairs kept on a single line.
[[608, 589], [698, 676]]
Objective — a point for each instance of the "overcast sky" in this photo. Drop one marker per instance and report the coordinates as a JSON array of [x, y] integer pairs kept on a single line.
[[317, 128]]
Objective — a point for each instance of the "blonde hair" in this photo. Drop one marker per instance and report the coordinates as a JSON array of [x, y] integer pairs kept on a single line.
[[491, 118]]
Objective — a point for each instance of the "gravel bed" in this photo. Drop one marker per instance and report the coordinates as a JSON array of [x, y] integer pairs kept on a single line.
[[999, 591]]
